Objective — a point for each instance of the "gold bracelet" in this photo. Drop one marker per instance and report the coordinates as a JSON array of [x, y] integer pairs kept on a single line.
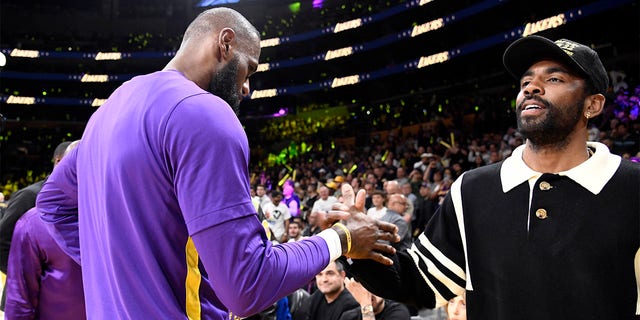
[[347, 233]]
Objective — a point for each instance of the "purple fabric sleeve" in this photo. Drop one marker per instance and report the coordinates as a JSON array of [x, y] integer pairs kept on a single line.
[[24, 270], [248, 272], [57, 203]]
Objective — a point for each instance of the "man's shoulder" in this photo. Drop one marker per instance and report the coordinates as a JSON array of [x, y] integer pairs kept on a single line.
[[31, 189], [392, 217], [483, 173]]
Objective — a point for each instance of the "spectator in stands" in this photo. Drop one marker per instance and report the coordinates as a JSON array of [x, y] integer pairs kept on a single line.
[[424, 210], [396, 205], [277, 214], [625, 142], [291, 199], [294, 232], [392, 187], [331, 300], [378, 209], [456, 308], [373, 307]]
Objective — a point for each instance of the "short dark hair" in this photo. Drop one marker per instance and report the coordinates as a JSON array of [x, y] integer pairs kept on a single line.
[[60, 149]]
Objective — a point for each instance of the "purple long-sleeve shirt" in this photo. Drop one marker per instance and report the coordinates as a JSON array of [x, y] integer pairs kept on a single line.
[[166, 224], [43, 282]]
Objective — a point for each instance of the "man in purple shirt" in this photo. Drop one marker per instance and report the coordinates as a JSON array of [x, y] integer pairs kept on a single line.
[[160, 180], [43, 282]]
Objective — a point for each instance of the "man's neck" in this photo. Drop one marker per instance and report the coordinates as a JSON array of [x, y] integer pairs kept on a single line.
[[554, 159], [332, 297]]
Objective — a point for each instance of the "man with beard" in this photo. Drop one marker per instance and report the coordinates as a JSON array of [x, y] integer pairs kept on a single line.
[[552, 232], [156, 196]]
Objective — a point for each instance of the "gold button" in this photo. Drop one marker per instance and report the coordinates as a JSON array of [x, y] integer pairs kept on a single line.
[[541, 214], [544, 186]]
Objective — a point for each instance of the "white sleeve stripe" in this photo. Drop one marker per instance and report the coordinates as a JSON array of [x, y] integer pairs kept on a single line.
[[456, 197], [438, 255], [440, 300], [437, 273]]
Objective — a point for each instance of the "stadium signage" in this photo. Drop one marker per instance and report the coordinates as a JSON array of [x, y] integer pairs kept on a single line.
[[544, 24], [342, 26], [344, 81], [257, 94], [25, 53], [94, 78], [108, 56], [21, 100], [263, 67], [270, 42], [433, 59], [98, 102], [332, 54], [426, 27]]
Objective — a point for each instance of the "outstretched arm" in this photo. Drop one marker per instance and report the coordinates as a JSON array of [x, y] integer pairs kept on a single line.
[[413, 278]]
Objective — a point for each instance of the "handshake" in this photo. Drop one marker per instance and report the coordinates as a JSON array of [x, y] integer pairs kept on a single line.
[[361, 236]]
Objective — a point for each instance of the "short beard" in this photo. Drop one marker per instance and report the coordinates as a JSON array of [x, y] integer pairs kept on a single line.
[[224, 84], [555, 128]]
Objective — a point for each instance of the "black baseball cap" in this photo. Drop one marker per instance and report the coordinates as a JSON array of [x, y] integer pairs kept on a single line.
[[524, 52]]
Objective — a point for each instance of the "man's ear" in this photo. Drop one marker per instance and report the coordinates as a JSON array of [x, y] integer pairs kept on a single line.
[[594, 105], [225, 39]]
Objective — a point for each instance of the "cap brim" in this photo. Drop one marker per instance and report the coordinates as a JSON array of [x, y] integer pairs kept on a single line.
[[524, 52]]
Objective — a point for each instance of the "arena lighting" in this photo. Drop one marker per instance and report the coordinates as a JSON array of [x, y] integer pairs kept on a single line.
[[257, 94], [423, 2], [433, 59], [98, 102], [3, 60], [544, 24], [351, 24], [269, 42], [317, 4], [345, 81], [21, 100], [24, 53], [507, 35], [209, 3], [263, 67], [108, 56], [426, 27], [94, 78], [342, 52]]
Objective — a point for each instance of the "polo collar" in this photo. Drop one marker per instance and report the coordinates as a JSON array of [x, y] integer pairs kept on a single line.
[[593, 174]]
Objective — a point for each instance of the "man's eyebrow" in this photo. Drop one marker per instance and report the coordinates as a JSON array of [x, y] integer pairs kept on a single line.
[[548, 71]]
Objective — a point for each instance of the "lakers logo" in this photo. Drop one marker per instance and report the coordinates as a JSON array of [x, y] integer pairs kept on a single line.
[[567, 46]]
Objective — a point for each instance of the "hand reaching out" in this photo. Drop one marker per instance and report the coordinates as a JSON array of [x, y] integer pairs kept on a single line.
[[365, 231]]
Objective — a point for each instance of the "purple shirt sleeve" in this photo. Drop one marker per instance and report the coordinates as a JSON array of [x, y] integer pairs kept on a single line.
[[256, 273], [57, 203], [43, 282], [24, 270]]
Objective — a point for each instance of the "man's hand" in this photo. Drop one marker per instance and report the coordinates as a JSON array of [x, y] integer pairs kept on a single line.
[[365, 231], [358, 291]]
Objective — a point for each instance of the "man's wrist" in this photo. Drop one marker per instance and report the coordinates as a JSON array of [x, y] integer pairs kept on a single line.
[[367, 312], [345, 237]]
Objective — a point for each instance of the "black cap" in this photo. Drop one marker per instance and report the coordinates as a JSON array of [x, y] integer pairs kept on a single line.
[[524, 52]]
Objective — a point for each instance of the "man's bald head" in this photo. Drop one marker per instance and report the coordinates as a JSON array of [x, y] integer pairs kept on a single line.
[[214, 20]]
